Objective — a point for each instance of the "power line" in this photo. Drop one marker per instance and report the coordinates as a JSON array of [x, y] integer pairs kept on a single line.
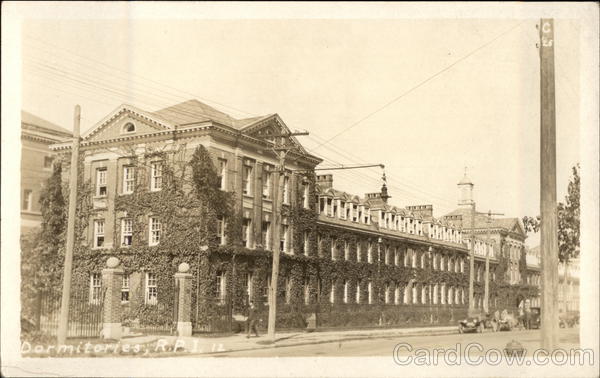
[[417, 86], [126, 94], [44, 42]]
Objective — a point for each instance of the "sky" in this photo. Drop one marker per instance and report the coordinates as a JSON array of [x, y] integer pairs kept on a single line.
[[475, 105]]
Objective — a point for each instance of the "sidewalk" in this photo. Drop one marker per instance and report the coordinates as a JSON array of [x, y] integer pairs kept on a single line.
[[157, 346]]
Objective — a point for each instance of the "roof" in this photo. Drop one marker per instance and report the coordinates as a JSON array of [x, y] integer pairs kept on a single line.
[[194, 111], [481, 220], [465, 180], [33, 120]]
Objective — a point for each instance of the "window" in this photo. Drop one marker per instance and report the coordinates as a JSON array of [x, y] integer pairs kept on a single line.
[[27, 199], [155, 231], [346, 288], [333, 249], [247, 180], [329, 207], [346, 251], [101, 182], [151, 296], [397, 295], [126, 232], [443, 294], [223, 174], [423, 295], [250, 285], [414, 294], [125, 289], [48, 162], [95, 288], [306, 291], [156, 176], [387, 293], [414, 258], [220, 287], [246, 230], [358, 292], [221, 230], [284, 239], [266, 234], [358, 251], [435, 294], [370, 290], [332, 293], [286, 189], [396, 256], [354, 213], [387, 255], [129, 128], [305, 192], [128, 179], [98, 233], [348, 211], [267, 183], [334, 212], [288, 290], [370, 253], [305, 238]]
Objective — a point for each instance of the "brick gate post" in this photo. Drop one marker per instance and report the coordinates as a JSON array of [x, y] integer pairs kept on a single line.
[[112, 281], [184, 300]]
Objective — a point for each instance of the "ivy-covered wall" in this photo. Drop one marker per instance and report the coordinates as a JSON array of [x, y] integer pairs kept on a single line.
[[189, 204]]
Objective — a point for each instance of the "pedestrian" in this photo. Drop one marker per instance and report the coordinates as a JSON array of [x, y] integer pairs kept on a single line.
[[252, 321]]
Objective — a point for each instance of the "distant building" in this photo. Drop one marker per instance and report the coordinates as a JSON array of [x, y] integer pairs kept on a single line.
[[36, 164], [506, 234], [568, 286]]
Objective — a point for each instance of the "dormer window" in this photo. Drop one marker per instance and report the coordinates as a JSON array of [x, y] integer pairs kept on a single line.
[[128, 128]]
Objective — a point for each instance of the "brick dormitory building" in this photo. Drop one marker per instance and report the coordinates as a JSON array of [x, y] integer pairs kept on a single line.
[[354, 261]]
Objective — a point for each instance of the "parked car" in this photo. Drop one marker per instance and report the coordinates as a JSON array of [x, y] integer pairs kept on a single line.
[[533, 319], [471, 324], [568, 319], [477, 324], [507, 321]]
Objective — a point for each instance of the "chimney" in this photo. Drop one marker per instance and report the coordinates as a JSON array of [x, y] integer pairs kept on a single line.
[[425, 211], [325, 181]]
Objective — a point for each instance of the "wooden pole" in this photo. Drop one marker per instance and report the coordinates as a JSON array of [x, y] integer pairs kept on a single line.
[[63, 319], [548, 206], [281, 150]]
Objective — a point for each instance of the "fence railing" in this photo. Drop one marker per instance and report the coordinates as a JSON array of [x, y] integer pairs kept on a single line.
[[85, 314]]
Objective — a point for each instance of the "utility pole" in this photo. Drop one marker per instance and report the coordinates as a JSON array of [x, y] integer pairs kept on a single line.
[[548, 207], [281, 149], [63, 320], [486, 293], [472, 260]]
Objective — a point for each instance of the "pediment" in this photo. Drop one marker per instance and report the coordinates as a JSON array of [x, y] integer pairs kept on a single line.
[[265, 127], [123, 122]]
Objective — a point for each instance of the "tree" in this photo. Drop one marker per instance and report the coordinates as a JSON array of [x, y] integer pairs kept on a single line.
[[568, 221], [41, 267], [568, 226]]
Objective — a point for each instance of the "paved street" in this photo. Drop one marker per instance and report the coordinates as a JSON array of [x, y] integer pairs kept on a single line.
[[385, 346]]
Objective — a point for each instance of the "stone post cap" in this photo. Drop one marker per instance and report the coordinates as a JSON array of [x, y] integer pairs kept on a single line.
[[183, 268], [112, 262]]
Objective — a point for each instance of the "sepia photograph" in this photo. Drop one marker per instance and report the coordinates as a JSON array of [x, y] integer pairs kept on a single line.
[[299, 189]]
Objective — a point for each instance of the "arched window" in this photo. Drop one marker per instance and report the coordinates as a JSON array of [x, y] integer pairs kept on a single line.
[[128, 128]]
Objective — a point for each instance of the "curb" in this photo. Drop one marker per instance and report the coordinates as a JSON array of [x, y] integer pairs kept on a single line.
[[350, 338]]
